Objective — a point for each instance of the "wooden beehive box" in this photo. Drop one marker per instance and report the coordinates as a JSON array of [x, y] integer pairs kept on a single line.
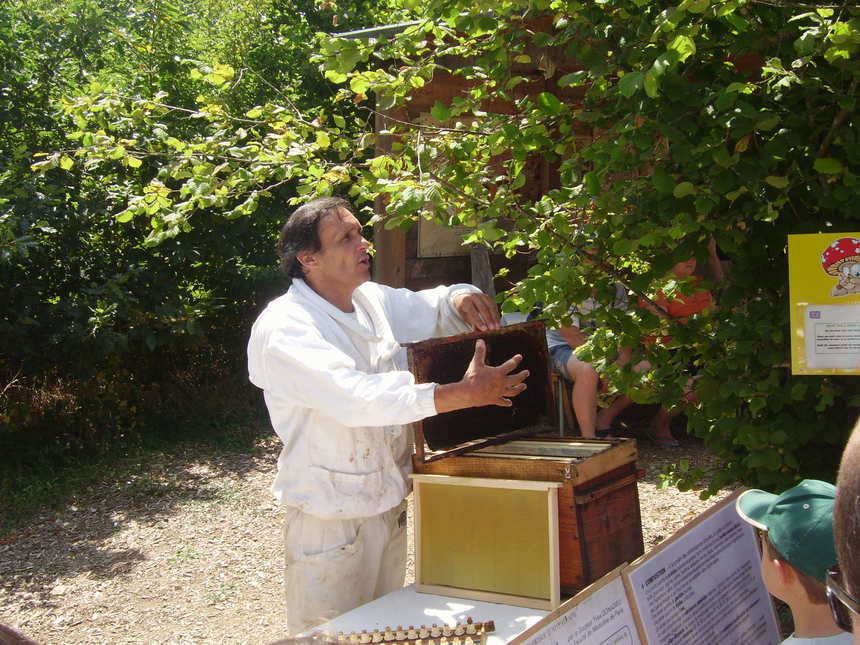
[[599, 521]]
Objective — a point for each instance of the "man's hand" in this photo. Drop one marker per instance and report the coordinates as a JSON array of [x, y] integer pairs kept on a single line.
[[478, 310], [483, 384]]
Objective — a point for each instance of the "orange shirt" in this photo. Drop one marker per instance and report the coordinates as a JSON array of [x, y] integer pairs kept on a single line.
[[682, 306], [685, 305]]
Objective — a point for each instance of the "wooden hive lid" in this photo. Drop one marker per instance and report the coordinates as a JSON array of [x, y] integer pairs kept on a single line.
[[444, 360]]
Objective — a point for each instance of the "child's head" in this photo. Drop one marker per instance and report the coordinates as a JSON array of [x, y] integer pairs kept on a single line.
[[797, 531], [684, 269]]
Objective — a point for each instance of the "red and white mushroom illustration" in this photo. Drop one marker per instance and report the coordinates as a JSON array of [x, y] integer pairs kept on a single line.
[[842, 260]]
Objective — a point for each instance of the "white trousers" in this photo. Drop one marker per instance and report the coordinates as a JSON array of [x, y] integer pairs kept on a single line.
[[332, 566]]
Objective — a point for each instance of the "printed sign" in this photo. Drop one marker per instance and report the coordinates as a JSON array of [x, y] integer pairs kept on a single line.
[[824, 291]]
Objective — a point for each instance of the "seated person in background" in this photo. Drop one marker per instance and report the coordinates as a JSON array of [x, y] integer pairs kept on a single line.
[[680, 306], [562, 344], [797, 548], [586, 382], [843, 581]]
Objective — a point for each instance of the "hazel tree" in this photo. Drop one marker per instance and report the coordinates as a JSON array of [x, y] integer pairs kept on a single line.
[[702, 122]]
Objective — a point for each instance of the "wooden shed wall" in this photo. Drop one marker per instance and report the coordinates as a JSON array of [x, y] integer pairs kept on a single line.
[[398, 262]]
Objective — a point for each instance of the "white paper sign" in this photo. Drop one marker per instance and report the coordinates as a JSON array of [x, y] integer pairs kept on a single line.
[[599, 618], [705, 586], [832, 334]]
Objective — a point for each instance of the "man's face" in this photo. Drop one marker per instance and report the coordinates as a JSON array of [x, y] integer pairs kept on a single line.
[[342, 262]]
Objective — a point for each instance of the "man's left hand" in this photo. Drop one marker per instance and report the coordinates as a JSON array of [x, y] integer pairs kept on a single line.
[[478, 310]]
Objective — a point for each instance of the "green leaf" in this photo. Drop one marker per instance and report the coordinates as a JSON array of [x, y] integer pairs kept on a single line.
[[66, 163], [339, 121], [684, 46], [573, 79], [592, 183], [549, 104], [683, 189], [359, 84], [440, 112], [133, 162], [722, 157], [828, 166], [348, 55], [323, 140], [652, 84], [335, 76], [630, 83], [662, 181], [698, 6], [777, 182], [768, 124], [725, 100], [623, 246]]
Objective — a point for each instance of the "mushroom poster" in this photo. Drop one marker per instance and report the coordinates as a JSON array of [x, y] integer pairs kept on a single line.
[[824, 290]]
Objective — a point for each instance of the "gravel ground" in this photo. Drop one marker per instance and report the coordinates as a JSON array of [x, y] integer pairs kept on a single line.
[[187, 550]]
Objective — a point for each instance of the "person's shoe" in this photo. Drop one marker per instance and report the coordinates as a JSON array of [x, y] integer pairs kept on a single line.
[[667, 442], [661, 442]]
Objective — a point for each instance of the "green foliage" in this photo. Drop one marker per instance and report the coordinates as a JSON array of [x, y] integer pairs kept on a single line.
[[670, 125], [102, 308]]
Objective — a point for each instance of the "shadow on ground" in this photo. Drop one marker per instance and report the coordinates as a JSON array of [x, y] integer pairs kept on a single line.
[[79, 537]]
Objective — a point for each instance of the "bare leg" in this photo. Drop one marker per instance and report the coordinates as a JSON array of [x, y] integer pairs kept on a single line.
[[662, 423], [607, 415], [584, 395]]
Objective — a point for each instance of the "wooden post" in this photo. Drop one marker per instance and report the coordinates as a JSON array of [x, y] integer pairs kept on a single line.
[[482, 273], [389, 263]]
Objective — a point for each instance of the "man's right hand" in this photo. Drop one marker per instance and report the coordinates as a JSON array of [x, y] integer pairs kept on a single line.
[[482, 384]]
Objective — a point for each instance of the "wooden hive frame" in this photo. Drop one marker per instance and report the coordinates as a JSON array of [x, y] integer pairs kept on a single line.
[[467, 554]]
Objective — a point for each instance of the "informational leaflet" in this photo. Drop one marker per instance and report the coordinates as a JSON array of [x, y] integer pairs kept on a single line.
[[704, 586], [824, 291], [600, 614], [832, 336]]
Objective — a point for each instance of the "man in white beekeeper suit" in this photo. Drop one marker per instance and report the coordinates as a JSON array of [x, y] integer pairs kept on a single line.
[[327, 356]]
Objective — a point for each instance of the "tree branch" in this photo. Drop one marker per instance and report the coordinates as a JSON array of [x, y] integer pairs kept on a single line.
[[577, 249], [837, 122], [424, 127]]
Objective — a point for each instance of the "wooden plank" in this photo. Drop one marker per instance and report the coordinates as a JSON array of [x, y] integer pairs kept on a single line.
[[417, 530], [621, 453], [389, 262], [482, 274], [571, 547], [613, 454], [554, 575], [612, 527], [486, 596], [483, 482], [469, 465]]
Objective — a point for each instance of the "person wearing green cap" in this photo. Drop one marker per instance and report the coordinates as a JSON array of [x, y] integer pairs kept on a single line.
[[797, 548]]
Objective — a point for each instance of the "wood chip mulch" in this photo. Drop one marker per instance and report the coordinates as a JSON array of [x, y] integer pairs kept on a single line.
[[187, 549]]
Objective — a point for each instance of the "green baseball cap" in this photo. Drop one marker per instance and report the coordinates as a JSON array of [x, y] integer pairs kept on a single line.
[[799, 523]]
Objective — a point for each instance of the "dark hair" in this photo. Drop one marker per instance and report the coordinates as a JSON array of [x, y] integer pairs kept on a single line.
[[301, 232], [846, 514]]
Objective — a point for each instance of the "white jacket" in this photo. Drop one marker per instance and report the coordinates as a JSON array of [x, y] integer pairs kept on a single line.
[[338, 392]]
